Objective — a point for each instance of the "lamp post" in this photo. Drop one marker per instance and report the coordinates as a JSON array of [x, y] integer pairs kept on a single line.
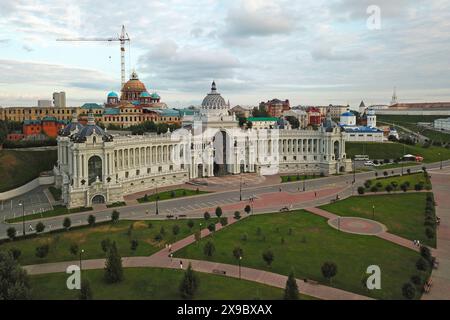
[[157, 196], [440, 159], [304, 184], [240, 258], [23, 217], [373, 212], [240, 188], [81, 252], [354, 171]]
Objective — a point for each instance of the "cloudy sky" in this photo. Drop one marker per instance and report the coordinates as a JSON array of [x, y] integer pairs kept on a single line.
[[311, 52]]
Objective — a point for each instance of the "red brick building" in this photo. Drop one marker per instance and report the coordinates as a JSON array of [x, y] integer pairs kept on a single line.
[[314, 116], [275, 107], [48, 126]]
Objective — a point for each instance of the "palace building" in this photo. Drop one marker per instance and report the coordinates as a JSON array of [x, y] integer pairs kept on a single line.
[[96, 167]]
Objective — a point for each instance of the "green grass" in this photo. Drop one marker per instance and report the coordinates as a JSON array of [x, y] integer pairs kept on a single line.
[[56, 193], [405, 118], [402, 214], [171, 194], [395, 150], [57, 211], [413, 179], [396, 165], [20, 167], [311, 243], [295, 177], [153, 284], [89, 239]]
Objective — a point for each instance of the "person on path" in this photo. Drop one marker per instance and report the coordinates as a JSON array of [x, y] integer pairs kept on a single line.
[[181, 264]]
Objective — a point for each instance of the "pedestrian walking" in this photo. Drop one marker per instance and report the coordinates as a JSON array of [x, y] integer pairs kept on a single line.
[[181, 264]]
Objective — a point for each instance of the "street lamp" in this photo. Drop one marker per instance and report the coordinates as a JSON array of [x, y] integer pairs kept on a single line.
[[23, 217], [440, 158], [240, 258], [373, 212], [81, 252], [354, 171], [240, 188], [157, 196], [304, 184]]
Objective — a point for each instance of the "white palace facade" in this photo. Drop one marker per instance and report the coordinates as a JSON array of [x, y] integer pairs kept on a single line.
[[96, 167]]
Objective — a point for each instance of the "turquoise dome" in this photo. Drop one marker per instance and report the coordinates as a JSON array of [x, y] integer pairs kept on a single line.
[[144, 95], [155, 95], [112, 94]]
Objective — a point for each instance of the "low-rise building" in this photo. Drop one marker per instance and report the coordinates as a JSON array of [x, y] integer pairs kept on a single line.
[[442, 124]]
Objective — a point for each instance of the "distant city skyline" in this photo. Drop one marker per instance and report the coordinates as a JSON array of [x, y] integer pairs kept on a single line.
[[312, 53]]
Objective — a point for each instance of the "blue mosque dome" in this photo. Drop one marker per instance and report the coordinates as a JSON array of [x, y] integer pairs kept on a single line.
[[347, 114], [144, 94], [112, 94]]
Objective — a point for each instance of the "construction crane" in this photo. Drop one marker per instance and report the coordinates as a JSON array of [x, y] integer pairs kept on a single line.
[[122, 38]]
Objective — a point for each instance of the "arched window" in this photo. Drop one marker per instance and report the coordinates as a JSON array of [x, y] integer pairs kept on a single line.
[[94, 169]]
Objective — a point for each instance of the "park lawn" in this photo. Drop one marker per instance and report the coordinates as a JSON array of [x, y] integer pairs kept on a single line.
[[397, 165], [20, 167], [56, 211], [165, 195], [311, 243], [153, 284], [413, 179], [89, 239], [392, 150], [402, 214], [295, 177]]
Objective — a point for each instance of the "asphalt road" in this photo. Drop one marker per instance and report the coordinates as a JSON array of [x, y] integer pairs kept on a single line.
[[183, 205]]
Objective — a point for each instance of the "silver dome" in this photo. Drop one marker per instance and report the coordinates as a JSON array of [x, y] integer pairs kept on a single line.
[[214, 100]]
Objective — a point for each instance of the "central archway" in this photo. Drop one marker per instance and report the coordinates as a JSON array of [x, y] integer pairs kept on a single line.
[[98, 199], [94, 169], [221, 143]]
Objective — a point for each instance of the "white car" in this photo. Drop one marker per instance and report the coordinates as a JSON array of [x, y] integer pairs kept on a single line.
[[369, 163]]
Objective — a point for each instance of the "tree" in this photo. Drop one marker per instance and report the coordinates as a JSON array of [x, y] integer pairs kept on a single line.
[[11, 232], [134, 245], [175, 230], [329, 270], [237, 215], [408, 291], [247, 209], [73, 249], [198, 236], [206, 215], [42, 251], [223, 221], [238, 253], [189, 284], [115, 216], [291, 289], [268, 257], [91, 220], [113, 266], [85, 291], [422, 264], [190, 224], [426, 253], [389, 188], [67, 223], [218, 212], [361, 190], [14, 284], [209, 249], [212, 227], [15, 253], [105, 244], [40, 227]]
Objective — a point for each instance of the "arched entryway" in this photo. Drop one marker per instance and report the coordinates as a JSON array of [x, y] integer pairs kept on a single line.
[[200, 170], [98, 199], [336, 150], [221, 143], [94, 169]]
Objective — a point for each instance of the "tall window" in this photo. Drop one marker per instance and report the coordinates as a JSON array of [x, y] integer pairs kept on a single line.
[[94, 169]]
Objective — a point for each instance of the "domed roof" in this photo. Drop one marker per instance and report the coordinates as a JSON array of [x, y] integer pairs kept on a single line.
[[134, 84], [72, 127], [144, 94], [155, 95], [371, 112], [214, 100], [347, 114], [90, 129], [112, 94]]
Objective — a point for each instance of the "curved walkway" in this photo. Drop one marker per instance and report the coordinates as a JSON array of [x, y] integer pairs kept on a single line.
[[357, 225], [383, 234], [161, 259]]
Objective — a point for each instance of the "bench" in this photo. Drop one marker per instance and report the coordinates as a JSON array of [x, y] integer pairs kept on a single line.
[[169, 216], [182, 216], [310, 281], [217, 271]]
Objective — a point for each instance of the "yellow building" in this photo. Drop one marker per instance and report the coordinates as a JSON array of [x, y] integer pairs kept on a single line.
[[21, 114]]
